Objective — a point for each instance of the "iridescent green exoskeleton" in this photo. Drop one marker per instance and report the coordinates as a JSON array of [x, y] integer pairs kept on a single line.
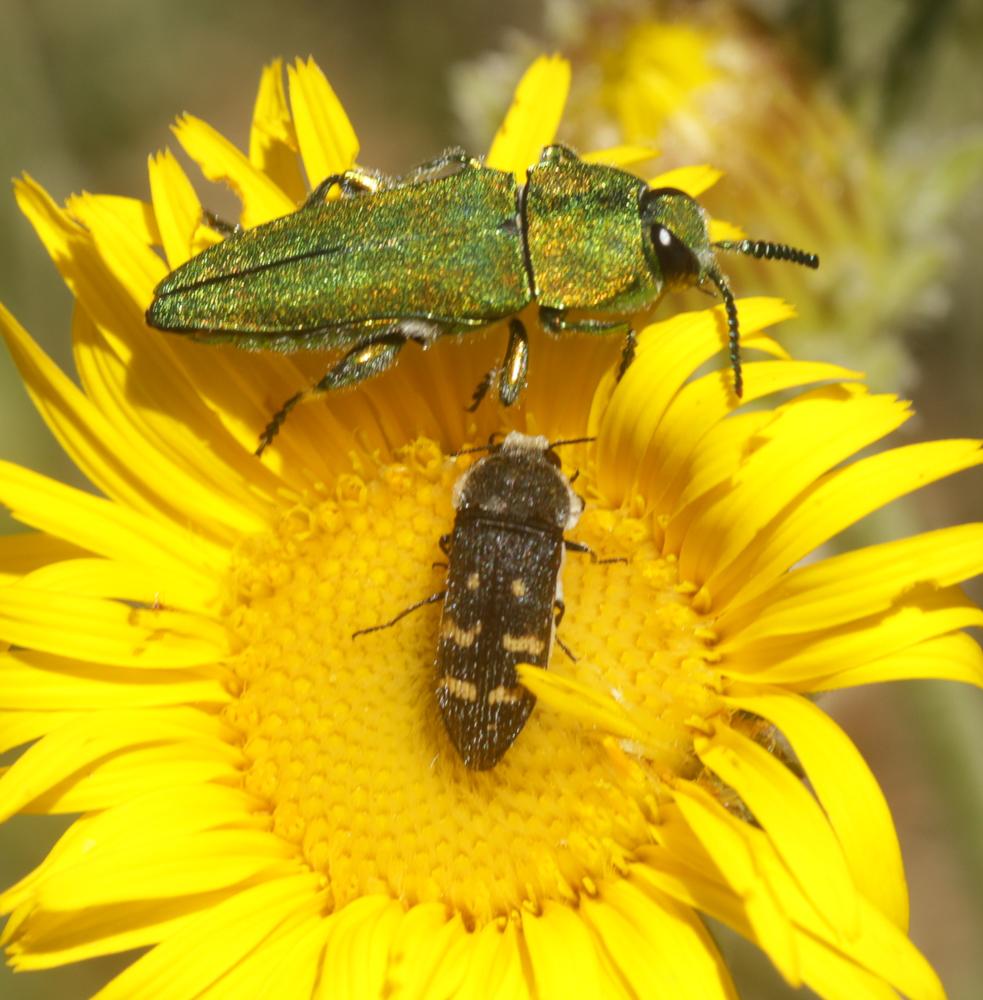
[[446, 250]]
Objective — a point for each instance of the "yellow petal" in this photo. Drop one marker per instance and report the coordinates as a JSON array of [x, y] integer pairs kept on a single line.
[[28, 550], [731, 851], [720, 230], [161, 815], [579, 701], [184, 865], [213, 942], [97, 447], [45, 939], [850, 586], [21, 726], [562, 953], [35, 681], [262, 200], [355, 959], [113, 779], [879, 946], [668, 353], [133, 265], [80, 264], [955, 657], [163, 550], [495, 969], [136, 215], [698, 409], [839, 499], [793, 821], [714, 463], [661, 950], [176, 206], [790, 660], [201, 469], [103, 631], [533, 117], [693, 180], [426, 946], [324, 134], [81, 745], [848, 792], [273, 145], [837, 421]]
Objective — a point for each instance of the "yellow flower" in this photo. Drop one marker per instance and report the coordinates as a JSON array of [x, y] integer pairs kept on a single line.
[[274, 807]]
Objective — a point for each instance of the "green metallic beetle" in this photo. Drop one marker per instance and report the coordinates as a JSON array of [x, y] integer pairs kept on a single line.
[[452, 247]]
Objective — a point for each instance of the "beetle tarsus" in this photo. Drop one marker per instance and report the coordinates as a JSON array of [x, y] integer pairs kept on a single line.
[[432, 599], [219, 224], [273, 427], [481, 389], [627, 353]]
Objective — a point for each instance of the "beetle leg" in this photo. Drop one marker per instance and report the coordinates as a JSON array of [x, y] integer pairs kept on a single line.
[[481, 389], [370, 357], [351, 182], [627, 353], [515, 364], [432, 599], [511, 374], [555, 321], [454, 156], [555, 153], [219, 224], [587, 550], [559, 608]]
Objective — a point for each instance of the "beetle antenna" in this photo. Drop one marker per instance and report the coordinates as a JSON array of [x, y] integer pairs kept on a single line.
[[733, 331], [769, 251], [566, 441], [491, 446]]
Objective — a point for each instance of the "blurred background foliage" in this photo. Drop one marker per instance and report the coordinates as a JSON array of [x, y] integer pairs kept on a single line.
[[855, 130]]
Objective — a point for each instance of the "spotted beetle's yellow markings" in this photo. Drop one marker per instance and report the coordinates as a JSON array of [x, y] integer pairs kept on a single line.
[[449, 629], [530, 644], [503, 695], [519, 587], [474, 581], [456, 688]]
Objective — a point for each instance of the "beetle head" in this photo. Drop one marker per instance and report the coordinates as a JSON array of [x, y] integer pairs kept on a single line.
[[680, 236]]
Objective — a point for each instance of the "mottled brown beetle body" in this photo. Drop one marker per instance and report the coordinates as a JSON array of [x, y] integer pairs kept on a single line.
[[504, 592]]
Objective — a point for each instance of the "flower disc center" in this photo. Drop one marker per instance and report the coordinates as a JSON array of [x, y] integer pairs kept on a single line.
[[345, 739]]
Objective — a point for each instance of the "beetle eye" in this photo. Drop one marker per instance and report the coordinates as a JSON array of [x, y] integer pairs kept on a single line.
[[678, 263], [552, 457]]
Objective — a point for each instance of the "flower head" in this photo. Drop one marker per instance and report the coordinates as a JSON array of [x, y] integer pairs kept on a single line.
[[274, 805]]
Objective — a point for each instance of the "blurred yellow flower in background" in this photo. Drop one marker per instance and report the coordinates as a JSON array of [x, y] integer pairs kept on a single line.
[[708, 83], [274, 807]]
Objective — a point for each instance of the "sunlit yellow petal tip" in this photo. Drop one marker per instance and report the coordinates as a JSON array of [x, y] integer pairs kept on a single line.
[[176, 207], [273, 143], [262, 199], [327, 141], [271, 804], [721, 230], [533, 118], [693, 180]]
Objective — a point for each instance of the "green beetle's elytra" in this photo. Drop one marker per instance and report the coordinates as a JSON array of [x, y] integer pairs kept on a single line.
[[450, 248]]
